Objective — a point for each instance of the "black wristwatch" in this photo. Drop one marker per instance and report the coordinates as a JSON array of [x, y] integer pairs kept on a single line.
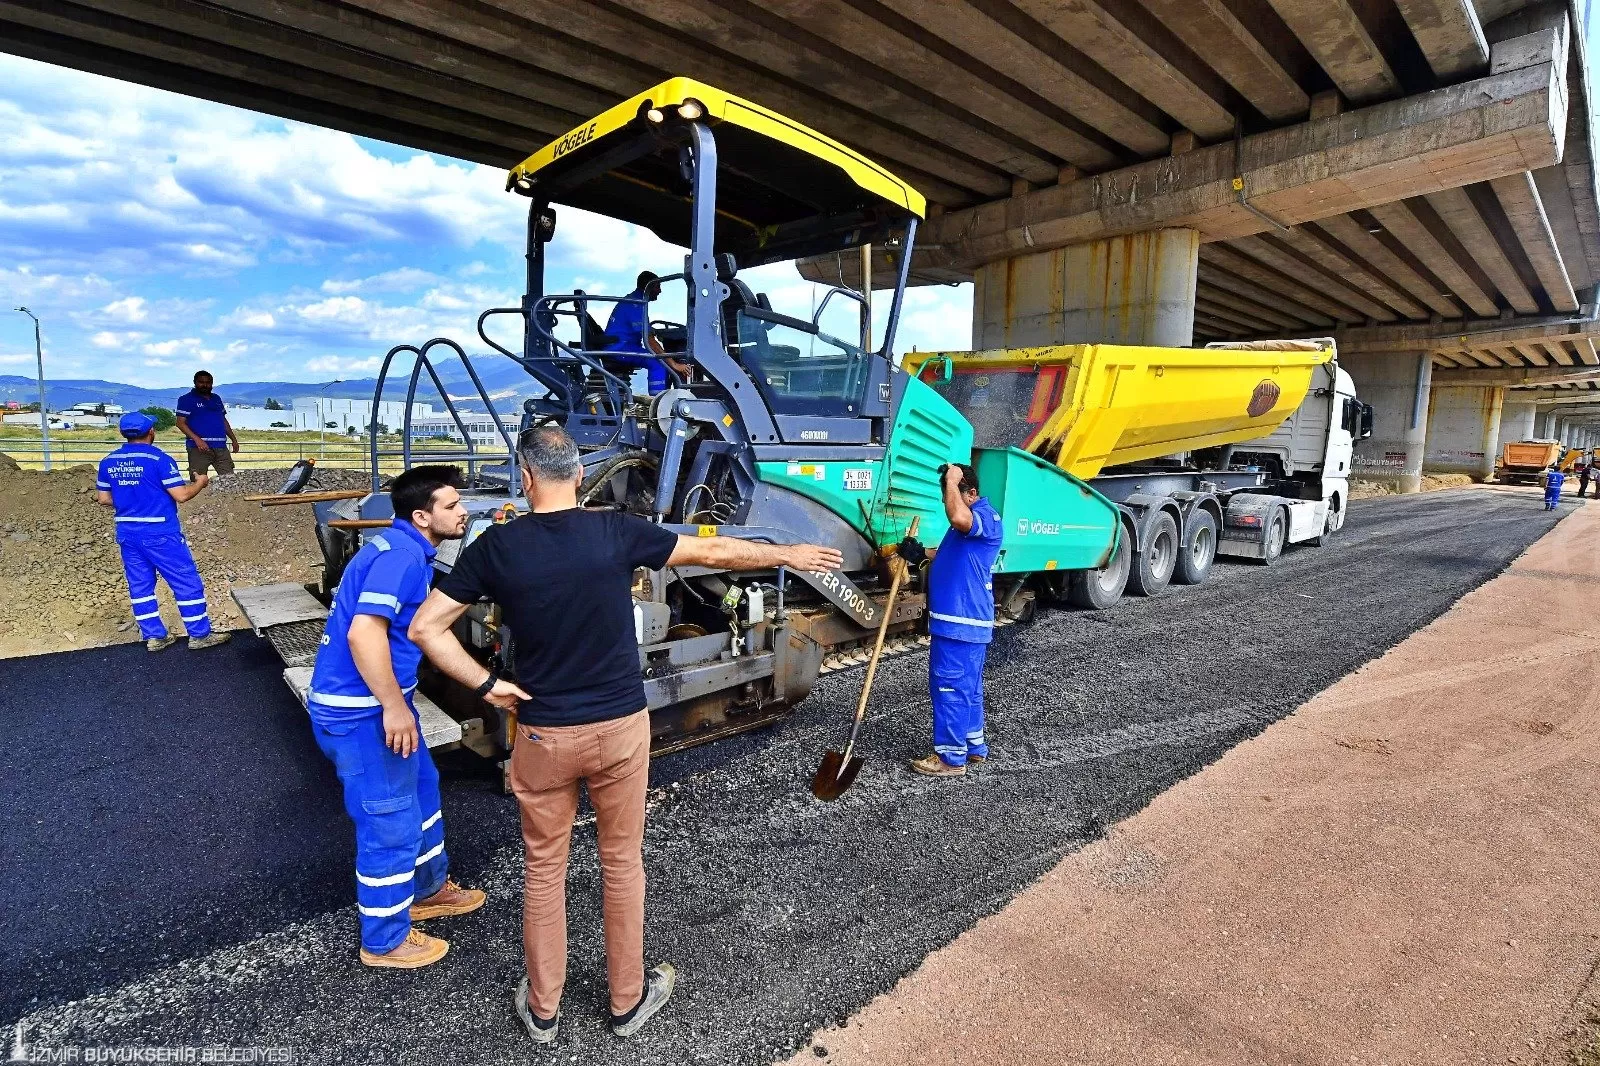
[[488, 684]]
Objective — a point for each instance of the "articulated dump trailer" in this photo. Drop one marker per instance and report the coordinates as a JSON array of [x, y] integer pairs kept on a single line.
[[1104, 461]]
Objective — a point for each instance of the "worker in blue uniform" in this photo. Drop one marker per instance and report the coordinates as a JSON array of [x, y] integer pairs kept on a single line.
[[142, 485], [365, 721], [961, 622], [630, 341]]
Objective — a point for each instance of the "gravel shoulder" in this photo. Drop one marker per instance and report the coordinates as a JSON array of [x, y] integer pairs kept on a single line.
[[783, 914]]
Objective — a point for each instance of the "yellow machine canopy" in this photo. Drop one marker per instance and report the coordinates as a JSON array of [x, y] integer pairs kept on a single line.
[[783, 190]]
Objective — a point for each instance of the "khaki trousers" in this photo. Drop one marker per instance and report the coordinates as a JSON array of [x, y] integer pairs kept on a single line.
[[612, 758]]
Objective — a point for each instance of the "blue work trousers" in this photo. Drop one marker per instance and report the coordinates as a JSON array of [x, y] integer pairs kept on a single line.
[[955, 681], [394, 803], [168, 556]]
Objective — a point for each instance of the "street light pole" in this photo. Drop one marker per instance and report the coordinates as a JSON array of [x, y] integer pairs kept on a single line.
[[322, 419], [44, 407]]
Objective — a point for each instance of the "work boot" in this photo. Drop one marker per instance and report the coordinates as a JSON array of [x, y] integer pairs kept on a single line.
[[160, 643], [658, 984], [933, 766], [450, 900], [417, 950], [210, 640], [974, 760], [540, 1032]]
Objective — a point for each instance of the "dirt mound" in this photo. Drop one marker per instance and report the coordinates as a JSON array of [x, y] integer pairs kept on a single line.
[[249, 482], [62, 573], [1361, 489]]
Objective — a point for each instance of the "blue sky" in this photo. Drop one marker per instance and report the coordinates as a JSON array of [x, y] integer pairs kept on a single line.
[[154, 234]]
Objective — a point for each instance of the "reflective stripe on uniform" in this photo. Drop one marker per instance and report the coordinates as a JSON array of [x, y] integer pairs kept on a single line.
[[381, 544], [379, 597], [958, 620], [201, 617], [131, 518], [185, 603], [431, 819], [384, 912], [142, 599], [432, 853], [352, 701], [144, 617], [379, 882], [173, 481]]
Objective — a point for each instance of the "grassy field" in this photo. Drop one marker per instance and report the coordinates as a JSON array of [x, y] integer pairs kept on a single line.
[[258, 448]]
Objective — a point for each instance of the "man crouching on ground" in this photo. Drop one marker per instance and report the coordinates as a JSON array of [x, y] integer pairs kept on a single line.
[[364, 720], [563, 578]]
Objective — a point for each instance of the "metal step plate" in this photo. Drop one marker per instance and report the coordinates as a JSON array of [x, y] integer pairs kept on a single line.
[[265, 606], [297, 642], [438, 728]]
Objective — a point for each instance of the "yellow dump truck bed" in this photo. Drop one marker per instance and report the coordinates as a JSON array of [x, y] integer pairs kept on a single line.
[[1530, 454], [1090, 406]]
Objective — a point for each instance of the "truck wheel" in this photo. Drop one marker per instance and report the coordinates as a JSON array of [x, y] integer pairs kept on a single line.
[[1095, 590], [1194, 561], [1153, 566], [1276, 537], [1330, 526]]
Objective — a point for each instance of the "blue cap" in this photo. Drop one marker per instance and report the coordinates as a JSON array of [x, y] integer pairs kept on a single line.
[[136, 424]]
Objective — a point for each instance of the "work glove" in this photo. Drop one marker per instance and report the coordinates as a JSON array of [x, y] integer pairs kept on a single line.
[[912, 551]]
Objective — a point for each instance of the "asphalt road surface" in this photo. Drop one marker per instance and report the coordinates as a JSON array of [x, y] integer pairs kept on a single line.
[[177, 865]]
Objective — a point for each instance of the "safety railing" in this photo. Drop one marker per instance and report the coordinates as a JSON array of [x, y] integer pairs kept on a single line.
[[408, 450]]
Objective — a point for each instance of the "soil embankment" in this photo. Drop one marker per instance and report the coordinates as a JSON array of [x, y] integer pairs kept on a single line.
[[62, 574]]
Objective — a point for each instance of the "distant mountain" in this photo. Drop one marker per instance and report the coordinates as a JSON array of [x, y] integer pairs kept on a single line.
[[502, 378]]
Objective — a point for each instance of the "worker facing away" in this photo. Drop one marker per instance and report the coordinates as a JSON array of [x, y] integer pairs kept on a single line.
[[207, 433], [630, 339], [1553, 477], [142, 485], [562, 577], [1585, 472], [365, 721], [961, 622]]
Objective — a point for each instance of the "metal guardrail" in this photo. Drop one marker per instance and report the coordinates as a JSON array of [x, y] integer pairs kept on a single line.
[[343, 454]]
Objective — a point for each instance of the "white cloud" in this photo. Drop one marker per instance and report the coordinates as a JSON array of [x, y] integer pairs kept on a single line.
[[127, 309], [402, 279]]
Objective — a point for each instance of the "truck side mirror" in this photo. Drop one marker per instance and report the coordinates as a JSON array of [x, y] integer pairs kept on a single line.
[[1366, 422]]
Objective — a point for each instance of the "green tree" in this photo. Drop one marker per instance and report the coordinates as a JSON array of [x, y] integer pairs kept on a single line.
[[165, 419], [273, 405]]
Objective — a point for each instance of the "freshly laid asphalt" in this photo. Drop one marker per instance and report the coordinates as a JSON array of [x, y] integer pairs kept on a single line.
[[177, 864]]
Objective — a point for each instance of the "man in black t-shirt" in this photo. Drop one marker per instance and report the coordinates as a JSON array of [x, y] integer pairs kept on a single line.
[[563, 578]]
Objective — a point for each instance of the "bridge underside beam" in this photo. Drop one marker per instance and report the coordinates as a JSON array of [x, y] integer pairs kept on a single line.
[[1503, 124]]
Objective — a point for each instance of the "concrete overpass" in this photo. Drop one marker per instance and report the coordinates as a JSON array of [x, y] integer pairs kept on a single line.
[[1414, 177]]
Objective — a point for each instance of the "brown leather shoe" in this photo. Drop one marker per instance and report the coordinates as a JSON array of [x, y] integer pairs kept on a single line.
[[417, 950], [933, 766], [450, 900]]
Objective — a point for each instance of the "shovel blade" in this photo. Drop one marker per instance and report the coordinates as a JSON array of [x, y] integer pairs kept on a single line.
[[834, 775]]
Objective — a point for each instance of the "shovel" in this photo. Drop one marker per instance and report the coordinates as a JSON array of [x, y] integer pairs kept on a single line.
[[838, 770]]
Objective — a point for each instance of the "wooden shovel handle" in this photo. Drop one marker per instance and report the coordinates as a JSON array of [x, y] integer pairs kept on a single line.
[[877, 645]]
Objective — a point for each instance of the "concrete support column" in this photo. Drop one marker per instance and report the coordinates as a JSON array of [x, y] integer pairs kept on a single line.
[[1397, 387], [1516, 422], [1137, 289], [1463, 429], [1547, 425]]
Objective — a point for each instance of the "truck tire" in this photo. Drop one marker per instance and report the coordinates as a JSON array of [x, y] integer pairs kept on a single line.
[[1096, 590], [1152, 567], [1275, 537], [1330, 526], [1194, 561]]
